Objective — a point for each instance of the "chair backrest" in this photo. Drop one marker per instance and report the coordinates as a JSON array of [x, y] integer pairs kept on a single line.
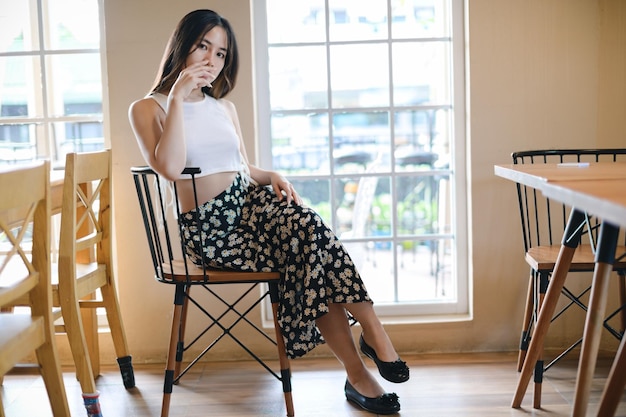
[[158, 201], [543, 220], [160, 211], [25, 237], [85, 235]]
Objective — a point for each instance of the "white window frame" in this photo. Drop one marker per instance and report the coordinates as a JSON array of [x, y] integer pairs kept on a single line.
[[398, 312], [45, 138]]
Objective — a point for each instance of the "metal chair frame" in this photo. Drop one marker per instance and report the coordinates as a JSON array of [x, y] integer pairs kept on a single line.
[[178, 270]]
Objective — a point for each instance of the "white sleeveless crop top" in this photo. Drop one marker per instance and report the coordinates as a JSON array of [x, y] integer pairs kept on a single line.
[[212, 142]]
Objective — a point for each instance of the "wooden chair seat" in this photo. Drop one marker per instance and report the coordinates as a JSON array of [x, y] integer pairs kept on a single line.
[[18, 330], [543, 258], [90, 277], [17, 273], [176, 271]]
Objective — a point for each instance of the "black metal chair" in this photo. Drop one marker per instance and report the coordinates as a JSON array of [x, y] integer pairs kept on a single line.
[[543, 224], [172, 267]]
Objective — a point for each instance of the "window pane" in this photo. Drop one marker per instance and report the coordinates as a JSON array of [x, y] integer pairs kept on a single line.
[[73, 24], [357, 20], [424, 271], [300, 143], [422, 139], [78, 84], [20, 87], [361, 142], [423, 80], [363, 207], [17, 143], [419, 18], [290, 21], [298, 78], [359, 75], [18, 27], [78, 137], [316, 194], [418, 204], [376, 264]]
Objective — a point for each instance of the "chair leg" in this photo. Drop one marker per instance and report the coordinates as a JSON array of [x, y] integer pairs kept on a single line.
[[171, 354], [52, 376], [614, 388], [74, 328], [181, 337], [78, 345], [114, 318], [542, 287], [526, 323], [622, 300], [285, 369], [90, 330]]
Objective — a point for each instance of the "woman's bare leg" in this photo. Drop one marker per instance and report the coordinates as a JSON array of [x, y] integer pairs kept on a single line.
[[374, 333], [335, 328]]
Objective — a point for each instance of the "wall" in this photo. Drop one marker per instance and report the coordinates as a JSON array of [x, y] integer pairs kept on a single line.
[[543, 73]]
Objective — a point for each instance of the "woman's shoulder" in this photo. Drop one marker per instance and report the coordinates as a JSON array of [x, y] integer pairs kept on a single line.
[[146, 108], [226, 103], [230, 110], [228, 106], [150, 102]]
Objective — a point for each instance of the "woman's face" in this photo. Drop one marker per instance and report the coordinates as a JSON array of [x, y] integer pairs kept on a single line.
[[212, 48]]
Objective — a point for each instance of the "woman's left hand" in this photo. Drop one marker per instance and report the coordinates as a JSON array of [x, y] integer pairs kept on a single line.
[[284, 189]]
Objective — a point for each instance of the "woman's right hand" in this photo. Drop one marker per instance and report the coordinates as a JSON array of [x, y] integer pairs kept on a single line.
[[193, 77]]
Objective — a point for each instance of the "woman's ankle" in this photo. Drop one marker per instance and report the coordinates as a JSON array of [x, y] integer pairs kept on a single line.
[[382, 345]]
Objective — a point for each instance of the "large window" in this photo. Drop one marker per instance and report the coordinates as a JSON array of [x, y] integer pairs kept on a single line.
[[360, 104], [51, 79]]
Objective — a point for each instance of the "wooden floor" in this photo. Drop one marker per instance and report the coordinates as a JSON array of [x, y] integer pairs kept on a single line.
[[466, 385]]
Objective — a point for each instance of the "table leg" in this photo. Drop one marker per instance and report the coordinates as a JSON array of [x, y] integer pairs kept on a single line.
[[615, 383], [571, 239], [605, 256]]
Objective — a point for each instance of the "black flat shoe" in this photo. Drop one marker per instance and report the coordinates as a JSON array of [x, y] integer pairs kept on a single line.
[[392, 371], [385, 404]]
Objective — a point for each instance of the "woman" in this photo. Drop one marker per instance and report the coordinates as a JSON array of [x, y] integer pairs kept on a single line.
[[253, 218]]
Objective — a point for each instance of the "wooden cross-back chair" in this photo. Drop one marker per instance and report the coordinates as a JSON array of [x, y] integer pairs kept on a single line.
[[85, 266], [171, 266], [25, 274], [543, 223]]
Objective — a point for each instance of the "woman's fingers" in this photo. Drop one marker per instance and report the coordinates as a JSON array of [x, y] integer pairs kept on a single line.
[[285, 189], [195, 76]]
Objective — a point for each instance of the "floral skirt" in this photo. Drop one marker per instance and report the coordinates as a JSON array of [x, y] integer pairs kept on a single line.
[[247, 228]]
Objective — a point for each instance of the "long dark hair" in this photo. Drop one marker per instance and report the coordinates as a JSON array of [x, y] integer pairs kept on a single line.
[[184, 40]]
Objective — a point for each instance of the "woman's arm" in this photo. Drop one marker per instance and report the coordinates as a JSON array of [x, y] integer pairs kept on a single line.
[[282, 187], [161, 136]]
